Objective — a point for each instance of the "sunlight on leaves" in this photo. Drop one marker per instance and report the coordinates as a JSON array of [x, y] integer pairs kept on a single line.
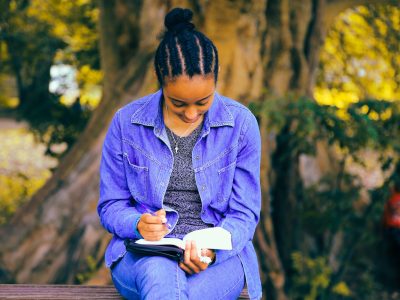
[[361, 58], [23, 169], [342, 289]]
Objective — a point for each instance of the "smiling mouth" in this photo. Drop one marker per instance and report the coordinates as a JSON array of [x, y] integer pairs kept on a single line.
[[192, 120]]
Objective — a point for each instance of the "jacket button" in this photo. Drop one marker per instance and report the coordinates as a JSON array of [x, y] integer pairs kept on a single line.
[[203, 188], [197, 157]]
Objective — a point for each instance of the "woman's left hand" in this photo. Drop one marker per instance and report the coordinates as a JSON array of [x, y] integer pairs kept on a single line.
[[191, 263]]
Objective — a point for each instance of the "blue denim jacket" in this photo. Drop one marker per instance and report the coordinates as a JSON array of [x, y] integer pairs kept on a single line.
[[137, 162]]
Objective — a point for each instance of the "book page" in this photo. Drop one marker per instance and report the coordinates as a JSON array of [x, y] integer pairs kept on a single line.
[[164, 241], [210, 238]]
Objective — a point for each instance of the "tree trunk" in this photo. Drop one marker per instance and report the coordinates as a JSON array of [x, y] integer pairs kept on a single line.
[[50, 239], [272, 45]]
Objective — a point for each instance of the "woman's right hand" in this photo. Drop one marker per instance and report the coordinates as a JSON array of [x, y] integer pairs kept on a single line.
[[153, 227]]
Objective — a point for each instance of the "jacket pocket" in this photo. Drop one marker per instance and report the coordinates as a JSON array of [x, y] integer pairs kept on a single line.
[[136, 177]]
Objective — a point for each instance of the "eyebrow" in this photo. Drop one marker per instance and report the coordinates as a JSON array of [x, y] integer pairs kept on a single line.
[[195, 101]]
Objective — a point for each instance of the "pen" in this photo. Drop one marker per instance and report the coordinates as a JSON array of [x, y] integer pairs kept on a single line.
[[149, 211]]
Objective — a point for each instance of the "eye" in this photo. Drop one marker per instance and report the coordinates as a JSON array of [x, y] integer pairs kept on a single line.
[[178, 104], [203, 102]]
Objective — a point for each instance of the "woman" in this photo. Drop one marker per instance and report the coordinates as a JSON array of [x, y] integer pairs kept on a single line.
[[192, 157]]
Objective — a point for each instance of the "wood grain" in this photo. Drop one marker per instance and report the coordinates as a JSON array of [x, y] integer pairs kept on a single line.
[[64, 292]]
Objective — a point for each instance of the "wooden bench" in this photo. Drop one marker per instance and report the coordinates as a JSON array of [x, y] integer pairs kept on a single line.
[[65, 292]]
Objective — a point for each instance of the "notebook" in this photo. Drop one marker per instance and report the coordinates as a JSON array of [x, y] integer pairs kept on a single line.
[[173, 248]]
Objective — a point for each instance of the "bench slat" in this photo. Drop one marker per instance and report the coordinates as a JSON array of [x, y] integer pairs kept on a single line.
[[64, 292], [56, 291]]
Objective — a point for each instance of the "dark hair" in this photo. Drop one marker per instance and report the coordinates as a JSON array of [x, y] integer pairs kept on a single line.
[[184, 50]]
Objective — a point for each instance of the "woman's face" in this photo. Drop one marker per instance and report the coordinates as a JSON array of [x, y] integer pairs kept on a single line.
[[188, 99]]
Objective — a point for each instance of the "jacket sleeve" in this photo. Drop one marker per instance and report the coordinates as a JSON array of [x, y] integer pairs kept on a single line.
[[245, 201], [117, 214]]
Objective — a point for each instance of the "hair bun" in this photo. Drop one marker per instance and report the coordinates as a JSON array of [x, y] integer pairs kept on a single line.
[[178, 20]]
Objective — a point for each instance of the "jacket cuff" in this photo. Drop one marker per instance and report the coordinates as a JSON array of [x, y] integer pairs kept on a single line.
[[137, 233], [124, 226]]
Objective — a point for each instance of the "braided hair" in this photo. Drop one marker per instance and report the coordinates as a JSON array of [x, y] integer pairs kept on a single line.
[[184, 50]]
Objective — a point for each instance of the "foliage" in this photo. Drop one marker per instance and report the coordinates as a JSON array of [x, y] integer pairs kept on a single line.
[[22, 173], [74, 22], [341, 289], [361, 58], [311, 277], [16, 189], [333, 208], [91, 266], [42, 34]]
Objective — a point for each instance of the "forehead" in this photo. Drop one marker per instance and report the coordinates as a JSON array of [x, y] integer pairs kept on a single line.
[[189, 89]]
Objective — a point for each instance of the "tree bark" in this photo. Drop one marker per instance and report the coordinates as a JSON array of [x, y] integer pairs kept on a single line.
[[51, 237], [267, 49]]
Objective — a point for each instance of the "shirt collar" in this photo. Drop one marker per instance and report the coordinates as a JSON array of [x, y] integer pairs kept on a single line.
[[150, 113]]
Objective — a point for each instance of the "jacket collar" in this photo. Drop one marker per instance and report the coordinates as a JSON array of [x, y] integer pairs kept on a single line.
[[150, 113]]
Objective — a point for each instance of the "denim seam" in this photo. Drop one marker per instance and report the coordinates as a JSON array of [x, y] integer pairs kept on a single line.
[[143, 106], [228, 111], [141, 150], [238, 106], [177, 281], [231, 165], [228, 291], [222, 154], [125, 154], [243, 130], [124, 286], [117, 259]]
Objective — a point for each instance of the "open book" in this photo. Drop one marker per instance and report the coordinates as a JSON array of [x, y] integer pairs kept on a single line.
[[208, 238]]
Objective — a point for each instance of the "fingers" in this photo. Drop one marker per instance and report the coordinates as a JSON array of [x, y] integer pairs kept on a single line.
[[151, 227], [162, 214], [151, 219], [191, 263], [152, 235], [185, 268], [210, 253]]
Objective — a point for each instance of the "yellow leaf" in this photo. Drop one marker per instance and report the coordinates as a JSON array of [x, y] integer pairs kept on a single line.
[[342, 289]]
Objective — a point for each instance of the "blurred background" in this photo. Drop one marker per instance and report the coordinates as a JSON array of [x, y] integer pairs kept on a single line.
[[322, 77]]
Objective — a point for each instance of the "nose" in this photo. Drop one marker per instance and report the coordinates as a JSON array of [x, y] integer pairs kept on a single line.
[[191, 113]]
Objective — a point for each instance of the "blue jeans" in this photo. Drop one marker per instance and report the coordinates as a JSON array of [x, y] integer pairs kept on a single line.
[[156, 277]]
